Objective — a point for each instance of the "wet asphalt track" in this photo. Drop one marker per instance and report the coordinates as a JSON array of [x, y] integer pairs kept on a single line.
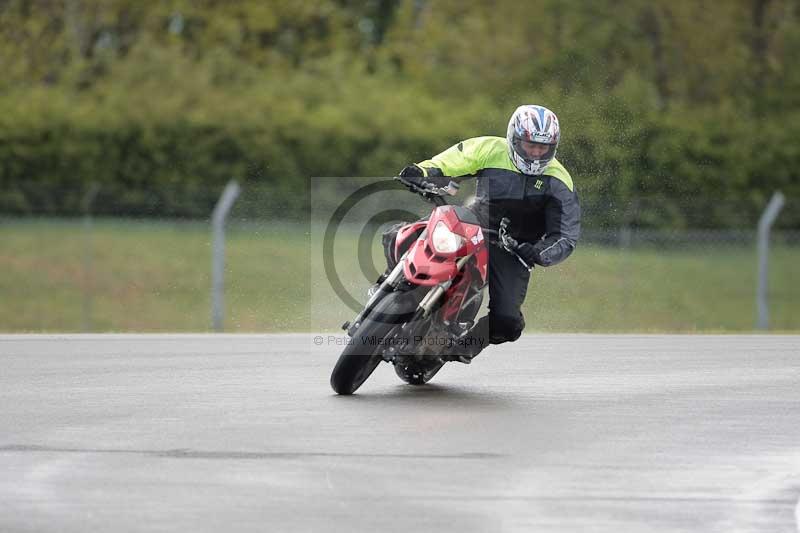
[[552, 433]]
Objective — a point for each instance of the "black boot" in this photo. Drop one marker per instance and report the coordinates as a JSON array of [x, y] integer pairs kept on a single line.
[[469, 345]]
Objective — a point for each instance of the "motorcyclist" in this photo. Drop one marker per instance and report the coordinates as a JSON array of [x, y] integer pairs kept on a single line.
[[518, 177]]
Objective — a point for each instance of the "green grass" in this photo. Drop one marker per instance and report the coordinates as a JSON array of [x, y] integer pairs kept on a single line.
[[700, 289], [155, 276]]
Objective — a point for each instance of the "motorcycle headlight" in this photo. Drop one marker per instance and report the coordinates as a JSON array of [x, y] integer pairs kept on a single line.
[[444, 240]]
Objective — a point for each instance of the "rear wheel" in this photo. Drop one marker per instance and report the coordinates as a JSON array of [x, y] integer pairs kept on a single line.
[[364, 350]]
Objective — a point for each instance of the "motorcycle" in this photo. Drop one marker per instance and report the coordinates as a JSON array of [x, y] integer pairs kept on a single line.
[[420, 314]]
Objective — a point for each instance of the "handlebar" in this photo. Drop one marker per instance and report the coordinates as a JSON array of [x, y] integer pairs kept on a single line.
[[430, 191]]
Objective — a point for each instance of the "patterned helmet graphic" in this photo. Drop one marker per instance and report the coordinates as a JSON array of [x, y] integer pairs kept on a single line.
[[533, 135]]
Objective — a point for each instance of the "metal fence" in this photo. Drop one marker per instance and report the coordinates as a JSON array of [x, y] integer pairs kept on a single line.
[[101, 273]]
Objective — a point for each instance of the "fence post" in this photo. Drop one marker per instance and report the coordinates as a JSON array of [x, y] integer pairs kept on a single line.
[[218, 217], [625, 243], [764, 225], [88, 270]]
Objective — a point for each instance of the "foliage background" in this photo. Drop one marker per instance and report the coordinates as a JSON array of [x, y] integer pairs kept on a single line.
[[160, 102]]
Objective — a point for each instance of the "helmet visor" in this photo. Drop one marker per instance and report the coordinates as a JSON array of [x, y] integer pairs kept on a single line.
[[533, 151]]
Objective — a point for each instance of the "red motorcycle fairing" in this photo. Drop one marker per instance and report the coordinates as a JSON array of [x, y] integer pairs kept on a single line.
[[406, 233], [424, 265]]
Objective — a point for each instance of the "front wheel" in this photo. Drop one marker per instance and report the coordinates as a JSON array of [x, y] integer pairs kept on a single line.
[[364, 350]]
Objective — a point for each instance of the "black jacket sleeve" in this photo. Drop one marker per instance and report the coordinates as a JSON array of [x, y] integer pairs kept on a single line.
[[563, 225]]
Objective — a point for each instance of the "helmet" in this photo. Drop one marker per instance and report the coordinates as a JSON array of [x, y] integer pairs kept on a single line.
[[532, 125]]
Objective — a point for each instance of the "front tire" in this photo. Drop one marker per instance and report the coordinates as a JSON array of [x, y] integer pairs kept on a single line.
[[364, 351]]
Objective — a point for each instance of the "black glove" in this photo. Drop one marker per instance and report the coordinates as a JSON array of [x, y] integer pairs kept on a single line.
[[528, 253], [413, 174], [412, 171]]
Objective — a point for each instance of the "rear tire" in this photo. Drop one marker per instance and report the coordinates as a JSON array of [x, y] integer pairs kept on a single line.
[[364, 351]]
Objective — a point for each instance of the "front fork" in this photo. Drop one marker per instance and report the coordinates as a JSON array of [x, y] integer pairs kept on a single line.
[[388, 285], [391, 283], [436, 293]]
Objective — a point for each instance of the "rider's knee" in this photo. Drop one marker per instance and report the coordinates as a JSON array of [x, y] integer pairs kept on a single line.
[[504, 328]]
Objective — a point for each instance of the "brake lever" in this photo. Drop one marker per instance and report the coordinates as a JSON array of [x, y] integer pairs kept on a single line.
[[524, 263]]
